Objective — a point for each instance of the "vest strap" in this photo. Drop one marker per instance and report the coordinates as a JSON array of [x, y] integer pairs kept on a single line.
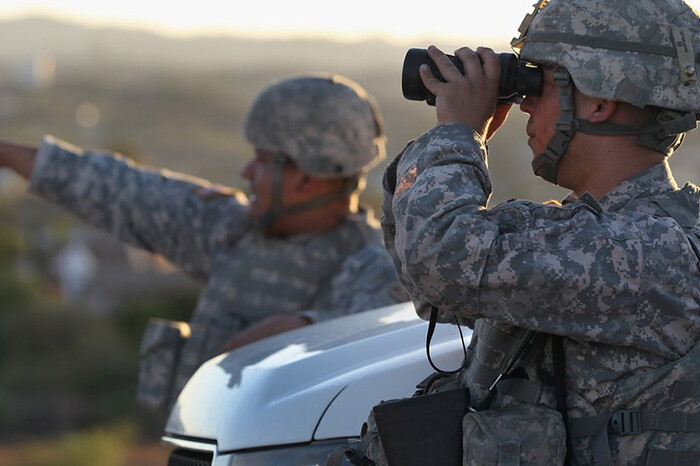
[[520, 389], [635, 421], [657, 457], [686, 389]]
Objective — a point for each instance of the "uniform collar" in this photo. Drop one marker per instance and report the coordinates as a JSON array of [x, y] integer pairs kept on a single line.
[[363, 216], [648, 182]]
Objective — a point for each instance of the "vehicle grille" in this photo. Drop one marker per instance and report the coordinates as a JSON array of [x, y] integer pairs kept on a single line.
[[182, 457]]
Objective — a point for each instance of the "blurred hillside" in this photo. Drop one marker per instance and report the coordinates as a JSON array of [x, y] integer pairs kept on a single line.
[[181, 103], [173, 102], [68, 364]]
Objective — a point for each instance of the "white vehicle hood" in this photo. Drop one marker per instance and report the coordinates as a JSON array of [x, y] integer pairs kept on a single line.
[[317, 382]]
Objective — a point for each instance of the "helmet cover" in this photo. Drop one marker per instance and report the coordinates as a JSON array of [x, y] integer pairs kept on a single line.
[[327, 124], [643, 52]]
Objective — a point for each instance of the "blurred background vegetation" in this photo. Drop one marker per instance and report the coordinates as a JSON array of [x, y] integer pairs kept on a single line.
[[69, 341]]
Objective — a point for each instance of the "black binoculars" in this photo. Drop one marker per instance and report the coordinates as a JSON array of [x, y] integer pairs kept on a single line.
[[517, 77]]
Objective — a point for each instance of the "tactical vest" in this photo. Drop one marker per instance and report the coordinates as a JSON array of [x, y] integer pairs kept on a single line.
[[258, 276], [657, 420]]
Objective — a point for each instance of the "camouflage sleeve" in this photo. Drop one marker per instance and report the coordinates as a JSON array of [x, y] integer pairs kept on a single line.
[[537, 266], [366, 281], [415, 191], [160, 211]]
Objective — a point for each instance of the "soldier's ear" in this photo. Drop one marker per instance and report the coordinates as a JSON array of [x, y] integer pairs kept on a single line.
[[594, 109], [305, 184], [604, 110]]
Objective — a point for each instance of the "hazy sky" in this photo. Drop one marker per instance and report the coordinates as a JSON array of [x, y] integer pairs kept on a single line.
[[495, 21], [450, 20]]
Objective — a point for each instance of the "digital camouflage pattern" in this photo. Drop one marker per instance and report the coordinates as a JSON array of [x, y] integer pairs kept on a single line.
[[206, 232], [526, 435], [644, 52], [327, 124], [160, 348], [619, 278]]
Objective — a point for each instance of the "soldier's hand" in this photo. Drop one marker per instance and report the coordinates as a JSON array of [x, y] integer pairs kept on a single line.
[[468, 99], [17, 157]]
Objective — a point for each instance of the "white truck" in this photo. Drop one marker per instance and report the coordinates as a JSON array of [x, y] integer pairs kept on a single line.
[[291, 399]]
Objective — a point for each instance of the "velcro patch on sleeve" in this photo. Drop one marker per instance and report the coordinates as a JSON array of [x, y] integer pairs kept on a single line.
[[216, 191]]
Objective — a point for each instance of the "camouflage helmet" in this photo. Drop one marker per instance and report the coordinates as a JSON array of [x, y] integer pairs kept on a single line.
[[643, 52], [327, 124]]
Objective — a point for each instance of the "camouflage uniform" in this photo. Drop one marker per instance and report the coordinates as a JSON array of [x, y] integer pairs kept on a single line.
[[617, 278], [207, 233]]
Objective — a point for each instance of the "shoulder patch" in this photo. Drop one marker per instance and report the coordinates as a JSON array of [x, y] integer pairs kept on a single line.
[[216, 191], [553, 202], [407, 180]]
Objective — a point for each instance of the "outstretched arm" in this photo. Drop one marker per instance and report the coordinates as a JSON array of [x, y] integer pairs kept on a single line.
[[272, 325], [181, 217]]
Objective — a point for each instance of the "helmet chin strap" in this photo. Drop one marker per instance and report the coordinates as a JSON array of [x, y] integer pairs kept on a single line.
[[274, 212], [663, 132], [277, 210], [545, 164]]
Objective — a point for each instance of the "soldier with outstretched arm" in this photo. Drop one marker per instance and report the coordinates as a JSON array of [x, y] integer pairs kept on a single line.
[[300, 250]]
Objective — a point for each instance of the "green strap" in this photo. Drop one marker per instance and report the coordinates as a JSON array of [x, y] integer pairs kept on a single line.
[[670, 422], [277, 210], [686, 389], [547, 163], [657, 457], [663, 128], [630, 422], [607, 128], [596, 427], [634, 421], [602, 43], [274, 212]]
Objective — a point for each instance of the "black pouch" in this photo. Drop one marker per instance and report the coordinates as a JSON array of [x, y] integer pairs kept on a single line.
[[159, 357], [423, 429]]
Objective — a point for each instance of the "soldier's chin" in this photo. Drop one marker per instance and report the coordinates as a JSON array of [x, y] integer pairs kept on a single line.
[[253, 203], [255, 210]]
